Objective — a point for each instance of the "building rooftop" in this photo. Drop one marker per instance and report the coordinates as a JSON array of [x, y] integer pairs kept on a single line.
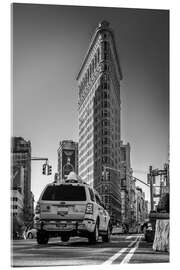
[[103, 25]]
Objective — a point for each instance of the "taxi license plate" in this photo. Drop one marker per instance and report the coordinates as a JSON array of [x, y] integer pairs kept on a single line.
[[63, 209]]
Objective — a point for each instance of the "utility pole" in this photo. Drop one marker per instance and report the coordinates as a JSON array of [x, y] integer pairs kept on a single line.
[[151, 180]]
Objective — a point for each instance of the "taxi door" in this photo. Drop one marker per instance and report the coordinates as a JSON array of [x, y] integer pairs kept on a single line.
[[102, 214]]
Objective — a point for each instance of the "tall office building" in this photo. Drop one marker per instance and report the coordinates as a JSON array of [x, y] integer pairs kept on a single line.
[[67, 158], [21, 157], [99, 118], [126, 178]]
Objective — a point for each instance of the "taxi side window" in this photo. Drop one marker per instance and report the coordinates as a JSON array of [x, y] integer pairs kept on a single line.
[[91, 195]]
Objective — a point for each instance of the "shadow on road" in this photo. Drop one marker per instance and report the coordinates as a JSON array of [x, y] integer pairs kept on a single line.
[[79, 243], [83, 242]]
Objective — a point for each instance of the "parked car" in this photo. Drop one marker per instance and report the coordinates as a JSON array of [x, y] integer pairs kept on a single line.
[[30, 233], [117, 230], [71, 208]]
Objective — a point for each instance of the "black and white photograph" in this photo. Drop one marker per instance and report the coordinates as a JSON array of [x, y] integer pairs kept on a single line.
[[90, 150]]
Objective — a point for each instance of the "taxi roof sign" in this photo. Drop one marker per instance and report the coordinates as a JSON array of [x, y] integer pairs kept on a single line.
[[72, 176]]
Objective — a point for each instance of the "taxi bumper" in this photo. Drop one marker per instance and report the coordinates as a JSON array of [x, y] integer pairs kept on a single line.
[[71, 226]]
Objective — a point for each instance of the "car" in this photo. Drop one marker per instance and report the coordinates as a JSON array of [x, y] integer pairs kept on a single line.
[[30, 233], [117, 230], [69, 208]]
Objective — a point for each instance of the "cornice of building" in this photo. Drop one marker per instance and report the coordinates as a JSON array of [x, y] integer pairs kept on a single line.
[[104, 25], [64, 144]]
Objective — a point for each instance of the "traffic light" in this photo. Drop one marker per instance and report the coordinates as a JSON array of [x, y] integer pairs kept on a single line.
[[44, 169], [49, 170]]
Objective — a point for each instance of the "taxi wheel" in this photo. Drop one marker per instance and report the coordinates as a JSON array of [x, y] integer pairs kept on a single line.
[[42, 237], [106, 237], [94, 236]]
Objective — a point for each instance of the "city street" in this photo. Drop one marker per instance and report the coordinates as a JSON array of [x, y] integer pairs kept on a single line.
[[122, 249]]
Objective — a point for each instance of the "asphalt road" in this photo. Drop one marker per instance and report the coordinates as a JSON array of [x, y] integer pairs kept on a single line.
[[121, 249]]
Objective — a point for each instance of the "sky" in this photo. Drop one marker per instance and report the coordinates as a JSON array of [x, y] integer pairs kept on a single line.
[[49, 43]]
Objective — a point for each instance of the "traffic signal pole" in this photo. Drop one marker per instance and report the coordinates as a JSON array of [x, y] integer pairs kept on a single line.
[[36, 158], [134, 178], [151, 192], [45, 165]]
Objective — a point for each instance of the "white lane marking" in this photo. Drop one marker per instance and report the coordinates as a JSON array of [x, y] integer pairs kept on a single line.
[[115, 256], [119, 253], [132, 243], [129, 237], [131, 252]]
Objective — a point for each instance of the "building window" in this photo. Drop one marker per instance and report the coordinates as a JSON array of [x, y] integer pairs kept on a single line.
[[106, 123], [93, 65], [105, 159], [106, 199], [105, 132], [106, 85], [105, 141], [95, 60], [88, 75], [98, 54], [106, 150], [105, 45], [105, 67], [105, 93], [106, 104]]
